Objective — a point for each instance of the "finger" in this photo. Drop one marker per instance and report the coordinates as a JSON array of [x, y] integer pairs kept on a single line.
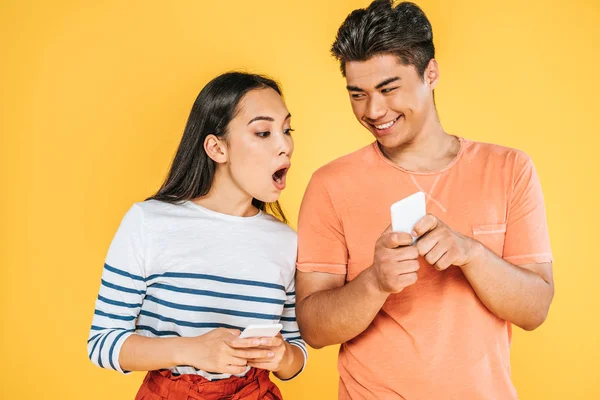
[[262, 360], [402, 239], [387, 241], [444, 262], [436, 253], [267, 366], [426, 224], [407, 253], [429, 241], [253, 354], [232, 332], [234, 369], [243, 343], [236, 361], [388, 229], [392, 240], [271, 341], [404, 280], [406, 267]]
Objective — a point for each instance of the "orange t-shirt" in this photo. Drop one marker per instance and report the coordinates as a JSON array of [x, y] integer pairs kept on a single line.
[[435, 339]]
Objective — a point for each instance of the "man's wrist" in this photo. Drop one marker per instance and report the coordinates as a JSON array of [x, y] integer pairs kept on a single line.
[[477, 253], [371, 283]]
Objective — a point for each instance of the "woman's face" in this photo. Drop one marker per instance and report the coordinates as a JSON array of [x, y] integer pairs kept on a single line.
[[260, 145]]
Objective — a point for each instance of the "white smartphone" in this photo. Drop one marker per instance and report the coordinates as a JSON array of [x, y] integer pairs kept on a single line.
[[407, 212], [258, 330]]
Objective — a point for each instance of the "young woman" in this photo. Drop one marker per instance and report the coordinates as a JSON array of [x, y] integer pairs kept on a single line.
[[199, 261]]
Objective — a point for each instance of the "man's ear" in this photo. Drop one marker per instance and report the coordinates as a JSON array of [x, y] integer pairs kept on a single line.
[[432, 73], [215, 148]]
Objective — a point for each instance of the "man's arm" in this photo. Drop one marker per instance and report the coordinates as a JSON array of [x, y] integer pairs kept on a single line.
[[327, 310], [331, 312], [518, 294]]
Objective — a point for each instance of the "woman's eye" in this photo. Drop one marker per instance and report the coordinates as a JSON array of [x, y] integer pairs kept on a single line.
[[288, 131], [263, 134]]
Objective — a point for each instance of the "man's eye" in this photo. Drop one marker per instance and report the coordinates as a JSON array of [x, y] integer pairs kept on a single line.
[[357, 96], [388, 90]]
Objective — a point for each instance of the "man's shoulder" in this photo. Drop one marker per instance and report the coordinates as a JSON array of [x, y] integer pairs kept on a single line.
[[346, 165], [491, 152]]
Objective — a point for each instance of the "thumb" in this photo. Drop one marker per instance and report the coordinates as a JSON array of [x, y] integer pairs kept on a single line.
[[232, 332], [387, 230]]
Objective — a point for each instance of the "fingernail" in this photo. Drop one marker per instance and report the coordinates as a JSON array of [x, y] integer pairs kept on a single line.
[[414, 234], [256, 342], [271, 354]]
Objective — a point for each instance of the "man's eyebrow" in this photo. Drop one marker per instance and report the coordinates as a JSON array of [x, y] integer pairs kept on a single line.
[[387, 82], [379, 85], [354, 89]]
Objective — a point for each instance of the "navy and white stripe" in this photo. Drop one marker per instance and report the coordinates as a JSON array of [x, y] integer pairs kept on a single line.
[[182, 270]]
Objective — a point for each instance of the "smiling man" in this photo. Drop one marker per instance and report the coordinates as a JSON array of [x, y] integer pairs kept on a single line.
[[430, 320]]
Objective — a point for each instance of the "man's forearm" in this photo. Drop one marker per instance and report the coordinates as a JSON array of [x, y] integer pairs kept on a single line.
[[338, 315], [512, 293]]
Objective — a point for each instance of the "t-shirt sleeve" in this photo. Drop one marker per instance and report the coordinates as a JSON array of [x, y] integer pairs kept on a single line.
[[321, 242], [527, 240]]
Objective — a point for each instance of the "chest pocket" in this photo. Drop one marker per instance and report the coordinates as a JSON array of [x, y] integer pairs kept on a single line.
[[491, 236]]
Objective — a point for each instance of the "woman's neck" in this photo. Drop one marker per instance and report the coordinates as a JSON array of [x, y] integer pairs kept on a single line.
[[226, 197]]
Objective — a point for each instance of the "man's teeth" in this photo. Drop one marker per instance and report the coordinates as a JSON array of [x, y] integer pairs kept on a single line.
[[385, 126]]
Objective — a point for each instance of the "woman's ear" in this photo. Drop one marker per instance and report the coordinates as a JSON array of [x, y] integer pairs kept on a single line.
[[215, 148]]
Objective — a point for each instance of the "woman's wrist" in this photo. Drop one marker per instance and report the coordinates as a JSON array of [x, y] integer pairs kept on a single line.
[[180, 352]]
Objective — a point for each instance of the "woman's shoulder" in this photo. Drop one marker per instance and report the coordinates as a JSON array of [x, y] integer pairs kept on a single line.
[[277, 226]]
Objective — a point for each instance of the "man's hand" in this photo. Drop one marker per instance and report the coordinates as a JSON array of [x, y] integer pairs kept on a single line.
[[443, 247], [395, 261]]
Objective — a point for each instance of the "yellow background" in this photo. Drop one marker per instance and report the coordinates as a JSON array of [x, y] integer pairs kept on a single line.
[[94, 97]]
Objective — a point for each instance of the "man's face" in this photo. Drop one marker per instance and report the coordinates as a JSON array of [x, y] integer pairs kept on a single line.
[[391, 100]]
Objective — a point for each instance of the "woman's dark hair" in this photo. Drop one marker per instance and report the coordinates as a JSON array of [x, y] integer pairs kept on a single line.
[[382, 28], [192, 171]]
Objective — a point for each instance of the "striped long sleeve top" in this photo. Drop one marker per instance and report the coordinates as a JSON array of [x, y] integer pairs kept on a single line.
[[183, 270]]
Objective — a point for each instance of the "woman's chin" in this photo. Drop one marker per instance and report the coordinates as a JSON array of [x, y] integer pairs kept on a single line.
[[268, 197]]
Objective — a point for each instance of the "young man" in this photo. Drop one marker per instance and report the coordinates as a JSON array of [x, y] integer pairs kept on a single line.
[[430, 320]]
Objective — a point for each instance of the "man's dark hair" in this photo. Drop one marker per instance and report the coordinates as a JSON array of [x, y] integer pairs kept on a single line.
[[382, 28]]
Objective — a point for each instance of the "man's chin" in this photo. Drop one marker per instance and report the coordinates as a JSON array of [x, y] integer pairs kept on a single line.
[[390, 141]]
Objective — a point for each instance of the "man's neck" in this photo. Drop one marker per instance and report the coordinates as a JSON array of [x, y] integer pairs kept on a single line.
[[431, 149]]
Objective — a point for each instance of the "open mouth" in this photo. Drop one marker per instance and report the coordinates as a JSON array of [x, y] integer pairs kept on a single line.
[[279, 177]]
